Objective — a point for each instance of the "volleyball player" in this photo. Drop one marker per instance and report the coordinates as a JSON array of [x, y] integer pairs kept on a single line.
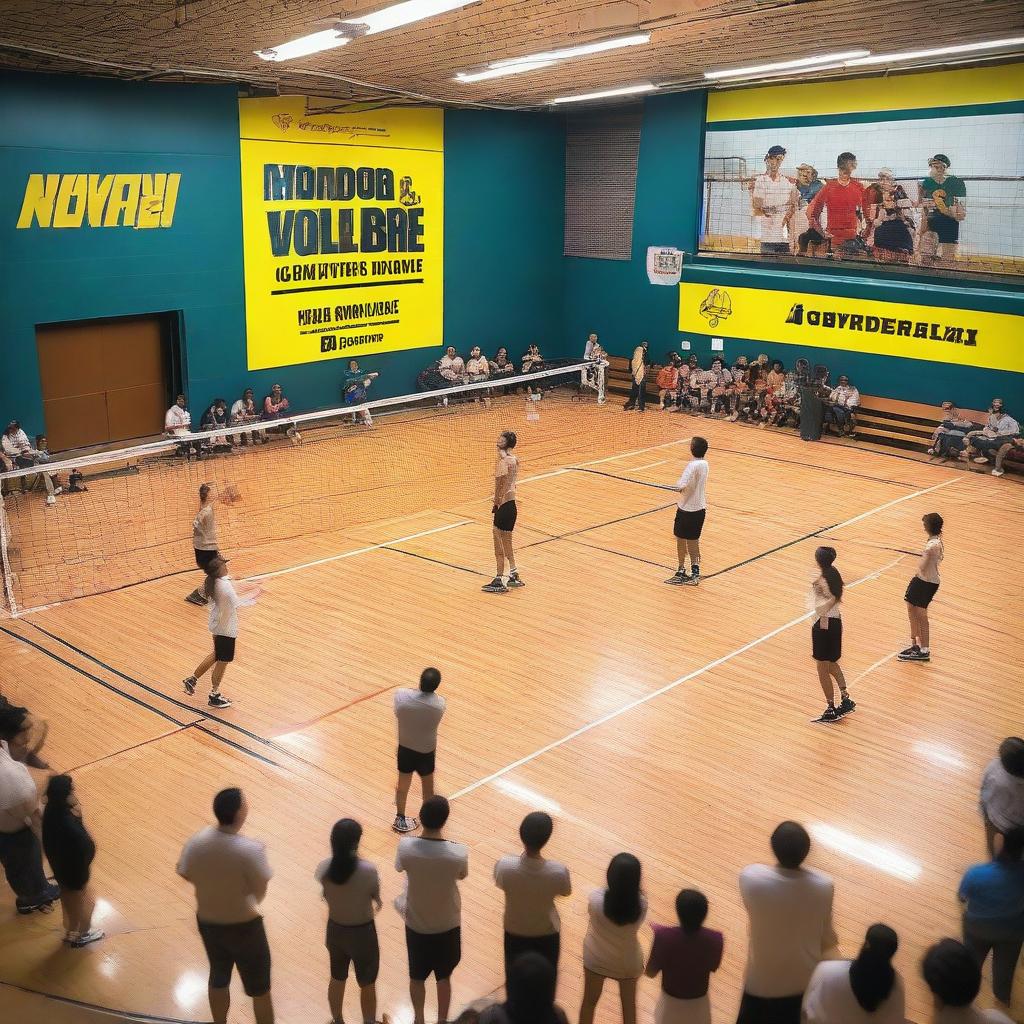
[[506, 470], [827, 634], [693, 507], [204, 539], [922, 589]]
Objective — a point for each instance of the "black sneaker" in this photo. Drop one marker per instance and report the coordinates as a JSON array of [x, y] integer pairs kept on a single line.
[[693, 580], [190, 684], [43, 902], [218, 700], [402, 824], [514, 580], [908, 651], [830, 715], [914, 654], [845, 707], [196, 598], [495, 587], [681, 576]]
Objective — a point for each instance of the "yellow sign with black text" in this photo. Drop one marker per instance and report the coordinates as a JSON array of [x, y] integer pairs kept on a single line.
[[967, 337], [342, 220]]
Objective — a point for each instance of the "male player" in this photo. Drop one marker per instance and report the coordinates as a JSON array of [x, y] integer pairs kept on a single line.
[[693, 507], [506, 470]]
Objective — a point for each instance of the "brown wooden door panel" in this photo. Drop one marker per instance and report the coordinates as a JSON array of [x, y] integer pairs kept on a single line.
[[136, 412], [70, 360], [133, 354], [76, 421]]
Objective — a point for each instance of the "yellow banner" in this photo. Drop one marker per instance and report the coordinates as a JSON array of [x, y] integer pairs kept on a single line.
[[343, 221], [967, 337]]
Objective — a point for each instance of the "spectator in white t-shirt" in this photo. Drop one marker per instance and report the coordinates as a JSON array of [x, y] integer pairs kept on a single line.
[[692, 508], [19, 454], [863, 991], [789, 910], [1002, 791], [954, 977], [531, 884], [588, 349], [773, 200], [419, 713], [230, 874], [431, 906]]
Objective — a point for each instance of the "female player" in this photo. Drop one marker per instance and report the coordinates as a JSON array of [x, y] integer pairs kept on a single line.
[[506, 470], [224, 603], [827, 634], [922, 589], [204, 538]]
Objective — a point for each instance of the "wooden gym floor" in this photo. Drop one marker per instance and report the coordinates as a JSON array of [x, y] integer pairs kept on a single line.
[[672, 722]]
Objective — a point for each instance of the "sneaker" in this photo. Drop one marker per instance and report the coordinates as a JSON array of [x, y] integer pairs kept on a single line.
[[92, 935], [218, 700], [681, 576], [830, 715], [914, 654], [933, 451], [190, 684], [44, 902], [51, 500], [693, 579], [196, 598], [514, 580], [980, 460], [998, 472], [404, 824], [496, 586], [907, 651], [58, 490], [845, 707]]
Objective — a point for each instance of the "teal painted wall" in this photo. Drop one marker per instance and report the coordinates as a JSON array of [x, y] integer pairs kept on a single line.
[[504, 201]]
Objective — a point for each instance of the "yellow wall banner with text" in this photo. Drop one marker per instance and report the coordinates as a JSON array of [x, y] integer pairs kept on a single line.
[[343, 221], [967, 337]]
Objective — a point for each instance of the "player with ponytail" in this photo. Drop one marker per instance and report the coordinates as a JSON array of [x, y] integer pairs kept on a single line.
[[827, 634]]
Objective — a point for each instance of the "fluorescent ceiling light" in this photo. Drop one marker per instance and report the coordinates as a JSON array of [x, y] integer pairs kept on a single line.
[[786, 65], [942, 51], [495, 72], [328, 39], [405, 13], [626, 91]]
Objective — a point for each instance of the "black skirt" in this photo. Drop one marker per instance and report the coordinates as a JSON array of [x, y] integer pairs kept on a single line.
[[920, 592], [827, 644]]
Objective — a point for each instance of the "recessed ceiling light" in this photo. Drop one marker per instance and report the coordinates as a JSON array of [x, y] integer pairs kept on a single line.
[[625, 91], [785, 65]]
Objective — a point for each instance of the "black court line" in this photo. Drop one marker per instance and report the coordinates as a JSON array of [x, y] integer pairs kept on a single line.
[[771, 551], [134, 746], [627, 479], [823, 469], [621, 554], [128, 1015], [436, 561], [597, 526]]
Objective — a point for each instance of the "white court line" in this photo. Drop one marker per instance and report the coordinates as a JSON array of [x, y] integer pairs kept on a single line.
[[649, 465], [871, 668], [895, 501], [668, 687]]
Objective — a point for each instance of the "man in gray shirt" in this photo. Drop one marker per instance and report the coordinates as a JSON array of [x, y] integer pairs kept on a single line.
[[419, 713]]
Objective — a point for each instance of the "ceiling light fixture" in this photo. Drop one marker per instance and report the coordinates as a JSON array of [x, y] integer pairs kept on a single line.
[[328, 39], [493, 72], [625, 91], [941, 51], [785, 65]]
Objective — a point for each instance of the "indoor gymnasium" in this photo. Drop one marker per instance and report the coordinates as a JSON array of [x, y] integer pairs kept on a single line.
[[510, 514]]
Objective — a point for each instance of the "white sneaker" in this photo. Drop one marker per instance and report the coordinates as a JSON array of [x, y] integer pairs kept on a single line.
[[51, 500], [57, 490], [93, 935], [998, 472]]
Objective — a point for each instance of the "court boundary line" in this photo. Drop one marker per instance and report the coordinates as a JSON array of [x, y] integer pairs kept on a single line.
[[128, 1015]]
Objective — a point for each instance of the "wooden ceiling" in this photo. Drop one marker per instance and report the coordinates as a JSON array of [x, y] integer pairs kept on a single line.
[[209, 40]]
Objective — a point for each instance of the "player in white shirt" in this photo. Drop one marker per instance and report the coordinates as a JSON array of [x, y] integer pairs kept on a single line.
[[774, 199], [954, 977], [418, 714], [921, 589], [690, 513]]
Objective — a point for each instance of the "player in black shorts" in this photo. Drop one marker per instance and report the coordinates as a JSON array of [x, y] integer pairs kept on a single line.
[[921, 589], [506, 470], [690, 514]]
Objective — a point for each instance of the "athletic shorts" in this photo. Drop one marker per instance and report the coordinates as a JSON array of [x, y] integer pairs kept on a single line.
[[827, 644], [688, 525], [947, 228], [920, 592], [204, 558], [760, 1010], [224, 648], [433, 954], [238, 945], [356, 945], [410, 761], [505, 517]]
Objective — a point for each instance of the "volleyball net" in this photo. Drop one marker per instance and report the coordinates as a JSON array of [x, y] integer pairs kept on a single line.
[[124, 517]]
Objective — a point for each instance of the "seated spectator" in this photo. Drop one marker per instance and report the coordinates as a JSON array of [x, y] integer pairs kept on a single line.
[[477, 367], [954, 425], [723, 394], [452, 367], [70, 850], [275, 407], [1002, 791], [749, 394], [589, 347], [862, 991], [702, 384], [1014, 448], [355, 387], [683, 392], [500, 366], [954, 978], [839, 409], [611, 948], [529, 994], [244, 412], [1000, 429], [532, 359], [216, 418], [685, 957], [993, 898], [20, 454], [790, 915], [178, 424], [668, 380]]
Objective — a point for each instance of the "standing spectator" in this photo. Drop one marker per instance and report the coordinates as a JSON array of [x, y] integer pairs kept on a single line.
[[808, 185], [842, 200], [244, 412], [19, 452], [774, 200], [954, 425], [530, 994], [1002, 791], [638, 374], [862, 991], [789, 909], [355, 386], [889, 220], [531, 883], [611, 948], [668, 380], [419, 713], [70, 850], [993, 898], [954, 977], [685, 957], [351, 887], [431, 906], [842, 401], [943, 196], [230, 874]]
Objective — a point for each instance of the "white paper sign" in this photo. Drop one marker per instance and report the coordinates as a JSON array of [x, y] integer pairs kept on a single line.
[[717, 344], [684, 346], [664, 265]]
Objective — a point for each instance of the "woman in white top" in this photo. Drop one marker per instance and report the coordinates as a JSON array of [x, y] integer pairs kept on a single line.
[[862, 991], [204, 539], [827, 634], [351, 888], [611, 948], [224, 602], [922, 589]]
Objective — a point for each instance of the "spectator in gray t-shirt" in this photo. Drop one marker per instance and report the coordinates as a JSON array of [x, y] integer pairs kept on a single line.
[[419, 713]]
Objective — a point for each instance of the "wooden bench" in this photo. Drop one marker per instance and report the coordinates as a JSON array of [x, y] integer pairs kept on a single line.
[[619, 380]]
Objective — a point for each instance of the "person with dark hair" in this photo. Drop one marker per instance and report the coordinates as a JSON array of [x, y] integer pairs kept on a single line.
[[505, 512], [355, 387], [531, 884], [773, 200], [668, 380], [952, 974], [204, 539], [351, 888], [418, 713], [953, 426], [842, 201], [863, 991], [692, 509], [921, 589], [993, 898], [529, 994], [789, 909], [840, 408], [827, 634], [70, 850], [1002, 791], [230, 874], [943, 197], [19, 453], [244, 412], [216, 418], [24, 734], [611, 948], [638, 364], [431, 906], [685, 957]]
